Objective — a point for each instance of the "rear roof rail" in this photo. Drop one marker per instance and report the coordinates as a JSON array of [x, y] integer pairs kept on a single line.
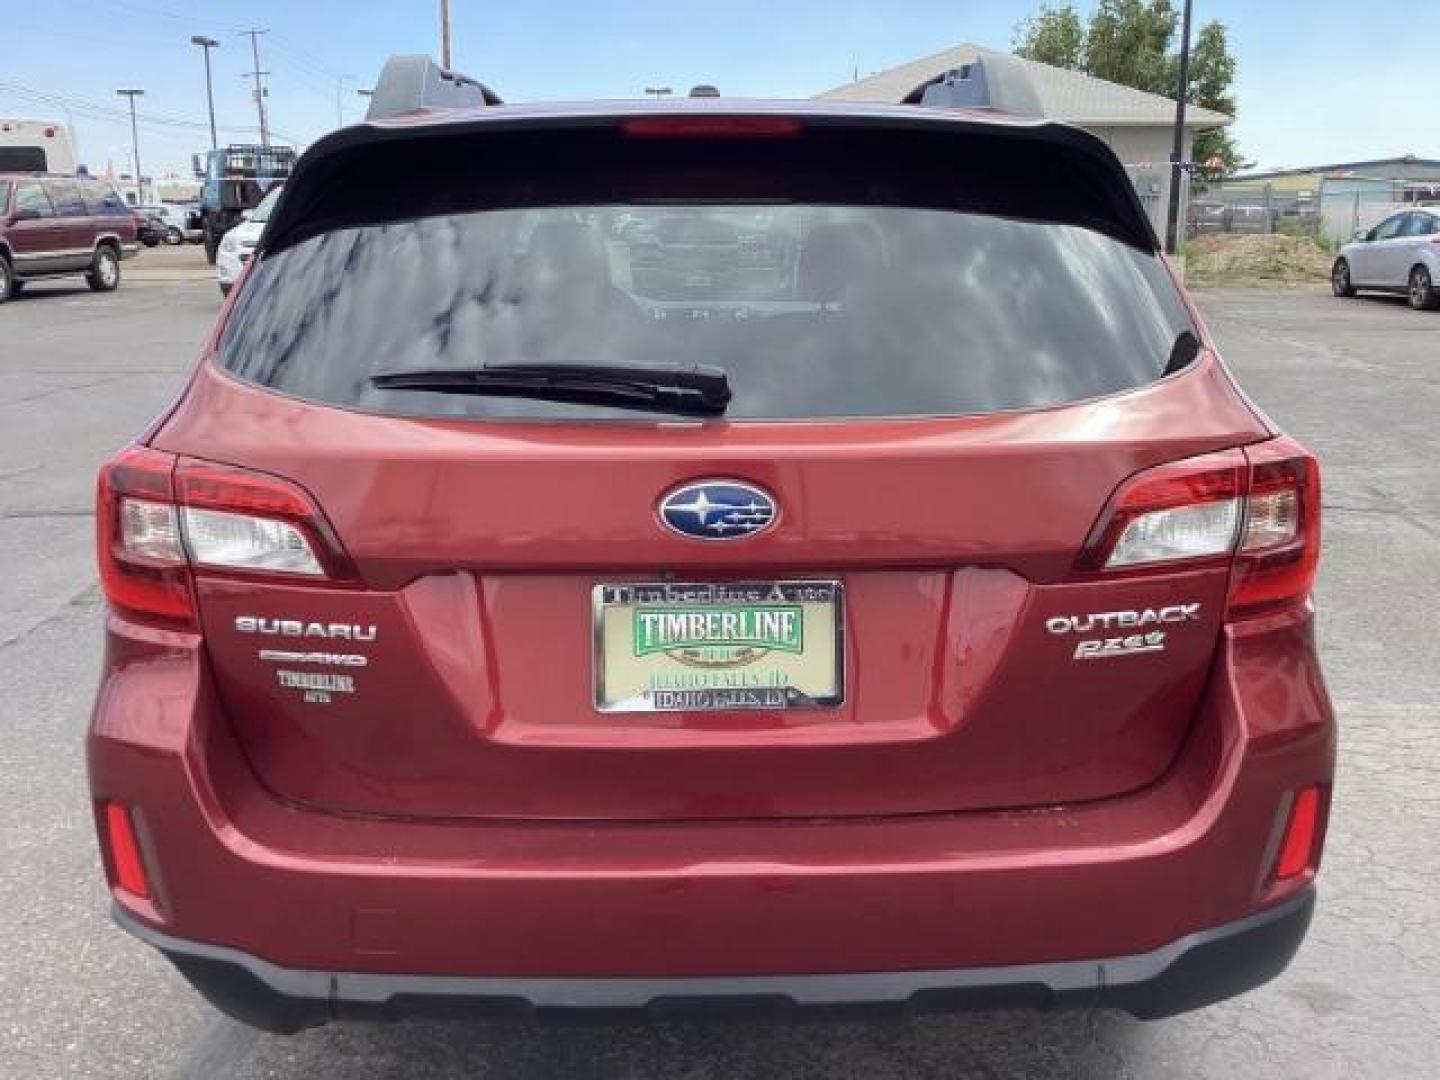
[[997, 81], [410, 83]]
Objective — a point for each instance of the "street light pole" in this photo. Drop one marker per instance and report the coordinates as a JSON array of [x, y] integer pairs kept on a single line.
[[206, 44], [132, 94], [1177, 150]]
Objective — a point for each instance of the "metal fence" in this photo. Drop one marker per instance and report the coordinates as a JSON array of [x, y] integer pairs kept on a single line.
[[1330, 210]]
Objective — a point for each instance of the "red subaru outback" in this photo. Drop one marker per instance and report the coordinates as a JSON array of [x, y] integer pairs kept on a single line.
[[637, 554]]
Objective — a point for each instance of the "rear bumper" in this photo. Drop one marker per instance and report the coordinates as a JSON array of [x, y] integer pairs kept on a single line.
[[1196, 970], [389, 912]]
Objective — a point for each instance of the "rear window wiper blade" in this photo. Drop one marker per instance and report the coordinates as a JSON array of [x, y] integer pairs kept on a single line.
[[696, 390]]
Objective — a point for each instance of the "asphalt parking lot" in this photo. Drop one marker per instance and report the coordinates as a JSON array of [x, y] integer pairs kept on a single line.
[[1359, 381]]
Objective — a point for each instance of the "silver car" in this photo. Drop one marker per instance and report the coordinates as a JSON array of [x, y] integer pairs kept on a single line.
[[1400, 255]]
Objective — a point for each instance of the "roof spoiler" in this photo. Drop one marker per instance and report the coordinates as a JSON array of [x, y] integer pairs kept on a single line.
[[413, 82], [995, 81]]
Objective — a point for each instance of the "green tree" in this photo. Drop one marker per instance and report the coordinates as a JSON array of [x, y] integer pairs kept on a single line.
[[1134, 43], [1212, 79], [1053, 36], [1128, 42]]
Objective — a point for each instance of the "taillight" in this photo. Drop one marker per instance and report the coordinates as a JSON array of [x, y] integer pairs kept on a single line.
[[1279, 548], [1258, 506], [1184, 510], [239, 520], [142, 560], [161, 517], [701, 126]]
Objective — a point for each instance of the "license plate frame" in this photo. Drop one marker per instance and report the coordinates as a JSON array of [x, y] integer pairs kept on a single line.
[[820, 601]]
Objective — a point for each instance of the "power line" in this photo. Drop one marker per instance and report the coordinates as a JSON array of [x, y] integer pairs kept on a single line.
[[101, 112], [68, 35], [160, 13], [302, 59]]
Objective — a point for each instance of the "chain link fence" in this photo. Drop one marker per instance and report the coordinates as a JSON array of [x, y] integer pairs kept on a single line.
[[1329, 210]]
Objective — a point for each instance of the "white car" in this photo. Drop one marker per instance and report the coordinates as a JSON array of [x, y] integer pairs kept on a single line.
[[239, 243], [1400, 255]]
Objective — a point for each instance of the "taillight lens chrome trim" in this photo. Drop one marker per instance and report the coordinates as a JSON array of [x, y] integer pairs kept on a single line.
[[221, 539], [161, 517], [1182, 532]]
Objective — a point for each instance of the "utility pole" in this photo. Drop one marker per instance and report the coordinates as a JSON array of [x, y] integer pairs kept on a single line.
[[445, 34], [257, 75], [134, 140], [340, 98], [1177, 150], [206, 44]]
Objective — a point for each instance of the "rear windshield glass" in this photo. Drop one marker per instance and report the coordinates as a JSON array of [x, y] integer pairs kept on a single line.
[[22, 159], [812, 311]]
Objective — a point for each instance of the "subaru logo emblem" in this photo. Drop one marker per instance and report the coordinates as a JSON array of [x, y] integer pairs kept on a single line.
[[717, 510]]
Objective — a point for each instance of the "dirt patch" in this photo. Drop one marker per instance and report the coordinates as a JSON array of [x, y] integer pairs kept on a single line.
[[1256, 260], [165, 264]]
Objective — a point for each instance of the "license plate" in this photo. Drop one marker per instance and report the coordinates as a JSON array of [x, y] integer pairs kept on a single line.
[[718, 646]]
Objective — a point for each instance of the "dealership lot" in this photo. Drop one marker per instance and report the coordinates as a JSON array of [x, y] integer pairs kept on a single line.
[[1356, 380]]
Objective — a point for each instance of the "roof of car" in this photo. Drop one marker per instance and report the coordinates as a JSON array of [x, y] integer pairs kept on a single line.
[[399, 129], [606, 110]]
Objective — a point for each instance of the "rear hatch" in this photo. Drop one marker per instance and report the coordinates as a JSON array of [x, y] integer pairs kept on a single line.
[[861, 590]]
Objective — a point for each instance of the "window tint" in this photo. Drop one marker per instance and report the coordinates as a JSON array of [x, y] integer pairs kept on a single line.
[[813, 311], [31, 196], [1419, 224], [4, 196], [101, 198], [1390, 227], [23, 159], [261, 213], [65, 196]]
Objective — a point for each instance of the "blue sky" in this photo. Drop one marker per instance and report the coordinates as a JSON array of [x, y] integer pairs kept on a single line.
[[1312, 88]]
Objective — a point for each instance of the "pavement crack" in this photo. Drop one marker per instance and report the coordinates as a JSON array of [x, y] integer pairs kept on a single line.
[[58, 512], [59, 390], [78, 600]]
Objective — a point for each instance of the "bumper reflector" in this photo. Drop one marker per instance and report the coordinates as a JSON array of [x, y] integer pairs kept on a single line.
[[125, 851], [1298, 847]]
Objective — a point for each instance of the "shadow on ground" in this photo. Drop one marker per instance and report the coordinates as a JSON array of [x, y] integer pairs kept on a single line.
[[1082, 1046]]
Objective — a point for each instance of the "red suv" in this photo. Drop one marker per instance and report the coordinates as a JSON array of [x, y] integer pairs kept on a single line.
[[56, 226], [810, 553]]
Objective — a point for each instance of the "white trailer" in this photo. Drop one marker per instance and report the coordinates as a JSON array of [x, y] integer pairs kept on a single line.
[[37, 146]]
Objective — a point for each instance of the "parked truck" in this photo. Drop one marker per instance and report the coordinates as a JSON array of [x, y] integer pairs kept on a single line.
[[235, 179]]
